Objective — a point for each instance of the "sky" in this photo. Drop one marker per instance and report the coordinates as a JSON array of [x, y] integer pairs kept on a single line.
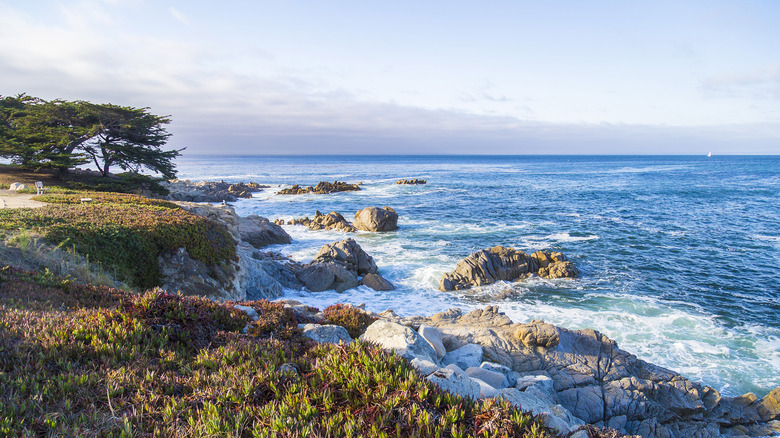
[[414, 77]]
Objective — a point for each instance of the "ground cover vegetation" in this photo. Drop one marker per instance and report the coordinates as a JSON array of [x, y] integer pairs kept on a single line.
[[60, 134], [82, 360], [123, 232]]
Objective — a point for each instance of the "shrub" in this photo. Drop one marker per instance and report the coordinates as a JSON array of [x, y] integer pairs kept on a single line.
[[125, 232], [351, 318]]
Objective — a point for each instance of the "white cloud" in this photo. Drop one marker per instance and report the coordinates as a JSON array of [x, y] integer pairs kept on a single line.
[[179, 16]]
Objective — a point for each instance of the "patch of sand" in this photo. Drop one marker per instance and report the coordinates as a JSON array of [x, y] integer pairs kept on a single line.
[[12, 199]]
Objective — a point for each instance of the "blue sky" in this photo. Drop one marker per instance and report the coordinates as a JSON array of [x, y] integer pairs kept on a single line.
[[507, 77]]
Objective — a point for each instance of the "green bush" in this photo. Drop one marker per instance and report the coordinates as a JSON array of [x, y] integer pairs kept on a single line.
[[125, 232]]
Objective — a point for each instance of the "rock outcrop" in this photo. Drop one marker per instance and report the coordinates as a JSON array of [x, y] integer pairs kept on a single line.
[[323, 187], [259, 231], [488, 266], [204, 191], [255, 275], [330, 221], [376, 219], [411, 181], [338, 266], [575, 377]]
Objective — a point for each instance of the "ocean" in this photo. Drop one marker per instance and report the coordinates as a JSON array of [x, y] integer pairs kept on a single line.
[[680, 255]]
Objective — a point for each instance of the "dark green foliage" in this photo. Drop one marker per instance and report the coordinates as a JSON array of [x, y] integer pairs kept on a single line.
[[351, 318], [61, 134], [125, 232], [77, 360]]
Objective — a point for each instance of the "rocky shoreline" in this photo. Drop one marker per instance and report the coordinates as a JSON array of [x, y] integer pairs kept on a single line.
[[571, 378]]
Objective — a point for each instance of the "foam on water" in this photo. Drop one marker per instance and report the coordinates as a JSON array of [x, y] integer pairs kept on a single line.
[[678, 255]]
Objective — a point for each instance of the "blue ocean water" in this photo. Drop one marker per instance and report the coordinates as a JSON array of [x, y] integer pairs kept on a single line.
[[680, 255]]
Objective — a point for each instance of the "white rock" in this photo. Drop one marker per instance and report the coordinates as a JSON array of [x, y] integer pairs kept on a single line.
[[17, 186], [452, 379], [492, 378], [433, 336], [485, 390], [469, 355], [510, 375], [553, 415], [248, 310], [424, 367], [524, 382], [332, 334], [401, 339]]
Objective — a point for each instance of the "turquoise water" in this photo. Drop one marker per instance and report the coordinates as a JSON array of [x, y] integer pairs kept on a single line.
[[680, 255]]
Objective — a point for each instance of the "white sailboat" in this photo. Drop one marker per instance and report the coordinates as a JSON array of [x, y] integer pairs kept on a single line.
[[709, 155]]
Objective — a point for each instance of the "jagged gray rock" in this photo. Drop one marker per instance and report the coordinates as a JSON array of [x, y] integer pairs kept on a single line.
[[259, 231], [488, 266], [348, 254], [590, 377], [467, 356], [318, 277]]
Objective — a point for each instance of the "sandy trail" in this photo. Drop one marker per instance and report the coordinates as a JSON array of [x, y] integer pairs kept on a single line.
[[12, 199]]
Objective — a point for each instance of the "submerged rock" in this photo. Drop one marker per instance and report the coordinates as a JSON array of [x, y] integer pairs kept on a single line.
[[488, 266]]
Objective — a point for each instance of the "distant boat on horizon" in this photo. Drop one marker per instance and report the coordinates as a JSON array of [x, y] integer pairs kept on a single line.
[[709, 154]]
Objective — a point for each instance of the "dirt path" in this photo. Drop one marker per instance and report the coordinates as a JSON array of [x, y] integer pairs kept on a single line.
[[12, 199]]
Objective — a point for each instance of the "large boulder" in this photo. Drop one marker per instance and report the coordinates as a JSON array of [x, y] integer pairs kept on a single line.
[[318, 277], [259, 231], [490, 265], [348, 254], [376, 219], [17, 186], [401, 339]]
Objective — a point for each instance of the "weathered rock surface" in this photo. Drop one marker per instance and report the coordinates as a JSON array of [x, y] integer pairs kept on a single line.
[[433, 336], [204, 191], [323, 187], [467, 356], [376, 219], [254, 275], [259, 231], [401, 339], [411, 181], [318, 277], [328, 333], [488, 266], [339, 266], [330, 221], [583, 375], [455, 381], [349, 254], [377, 282], [17, 186]]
